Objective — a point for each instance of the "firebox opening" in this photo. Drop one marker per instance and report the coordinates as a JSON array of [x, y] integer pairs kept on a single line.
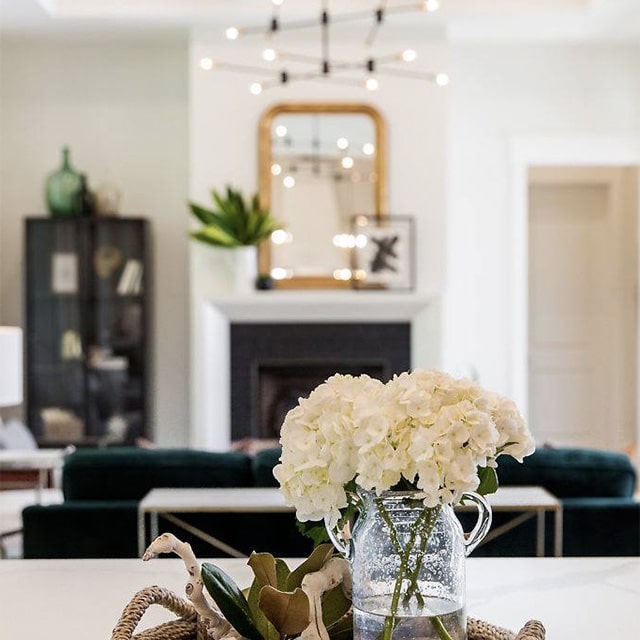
[[281, 383]]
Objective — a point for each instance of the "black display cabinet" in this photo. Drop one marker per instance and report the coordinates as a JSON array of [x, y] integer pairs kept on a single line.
[[87, 318]]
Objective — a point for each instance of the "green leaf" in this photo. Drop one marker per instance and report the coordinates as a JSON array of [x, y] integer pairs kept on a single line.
[[317, 532], [335, 605], [314, 562], [488, 480], [266, 629], [204, 215], [230, 600], [287, 611], [343, 629], [282, 572], [263, 566], [244, 221]]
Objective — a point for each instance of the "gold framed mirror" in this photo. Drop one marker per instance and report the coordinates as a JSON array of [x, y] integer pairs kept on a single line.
[[320, 164]]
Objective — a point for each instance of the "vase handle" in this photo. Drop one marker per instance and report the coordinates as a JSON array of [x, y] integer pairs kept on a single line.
[[481, 528], [338, 539]]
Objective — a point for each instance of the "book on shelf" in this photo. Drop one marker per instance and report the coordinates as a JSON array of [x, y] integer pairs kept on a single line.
[[131, 278]]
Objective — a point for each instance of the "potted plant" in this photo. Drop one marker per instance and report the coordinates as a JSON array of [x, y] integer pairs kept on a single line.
[[236, 221], [238, 224]]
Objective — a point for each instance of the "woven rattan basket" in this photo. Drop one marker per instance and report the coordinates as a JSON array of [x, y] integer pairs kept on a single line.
[[188, 625]]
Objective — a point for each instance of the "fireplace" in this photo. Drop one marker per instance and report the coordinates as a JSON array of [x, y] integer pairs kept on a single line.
[[278, 336], [272, 365]]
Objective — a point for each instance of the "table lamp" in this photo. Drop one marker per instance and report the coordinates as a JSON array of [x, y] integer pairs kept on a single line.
[[10, 367]]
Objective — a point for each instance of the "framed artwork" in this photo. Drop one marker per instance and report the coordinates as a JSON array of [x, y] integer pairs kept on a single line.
[[383, 252], [64, 273]]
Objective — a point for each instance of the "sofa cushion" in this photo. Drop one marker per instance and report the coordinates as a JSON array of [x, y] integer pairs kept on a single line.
[[262, 466], [130, 473], [572, 473]]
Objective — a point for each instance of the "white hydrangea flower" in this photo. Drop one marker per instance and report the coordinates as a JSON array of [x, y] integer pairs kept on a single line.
[[425, 427]]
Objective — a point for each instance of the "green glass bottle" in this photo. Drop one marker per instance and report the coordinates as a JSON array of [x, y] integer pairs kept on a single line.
[[62, 187]]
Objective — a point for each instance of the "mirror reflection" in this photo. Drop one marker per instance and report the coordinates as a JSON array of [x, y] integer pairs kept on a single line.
[[320, 166]]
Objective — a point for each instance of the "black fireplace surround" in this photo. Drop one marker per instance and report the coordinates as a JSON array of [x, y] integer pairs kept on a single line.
[[272, 365]]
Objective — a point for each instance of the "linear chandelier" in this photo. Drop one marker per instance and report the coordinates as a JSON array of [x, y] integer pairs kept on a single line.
[[324, 66]]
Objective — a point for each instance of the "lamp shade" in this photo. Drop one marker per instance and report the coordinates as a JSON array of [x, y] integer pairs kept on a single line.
[[10, 366]]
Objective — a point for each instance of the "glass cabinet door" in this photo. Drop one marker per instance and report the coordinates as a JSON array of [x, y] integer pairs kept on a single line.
[[86, 303]]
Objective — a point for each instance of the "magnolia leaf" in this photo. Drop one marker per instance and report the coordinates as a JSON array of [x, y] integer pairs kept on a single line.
[[334, 605], [287, 611], [343, 629], [282, 572], [266, 629], [488, 480], [314, 562], [264, 568], [232, 603]]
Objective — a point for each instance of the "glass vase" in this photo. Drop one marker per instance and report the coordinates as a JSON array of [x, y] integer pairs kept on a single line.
[[408, 566], [62, 189]]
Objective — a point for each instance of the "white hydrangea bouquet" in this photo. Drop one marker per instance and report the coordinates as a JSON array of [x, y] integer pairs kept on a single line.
[[424, 429], [426, 433]]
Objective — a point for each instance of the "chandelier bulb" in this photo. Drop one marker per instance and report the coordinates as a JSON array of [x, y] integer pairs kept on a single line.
[[409, 55], [371, 84], [277, 3], [442, 79], [255, 88], [430, 5], [232, 33], [269, 55], [206, 64]]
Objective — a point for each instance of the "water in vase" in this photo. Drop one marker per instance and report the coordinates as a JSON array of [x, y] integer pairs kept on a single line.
[[368, 623]]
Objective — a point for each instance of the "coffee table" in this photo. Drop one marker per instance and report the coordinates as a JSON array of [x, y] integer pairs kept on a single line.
[[530, 501], [168, 502], [586, 598]]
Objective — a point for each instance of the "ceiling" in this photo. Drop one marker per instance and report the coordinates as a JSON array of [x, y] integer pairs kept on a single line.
[[457, 20]]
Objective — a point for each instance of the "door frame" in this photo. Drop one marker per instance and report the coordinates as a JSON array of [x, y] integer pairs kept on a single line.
[[554, 150]]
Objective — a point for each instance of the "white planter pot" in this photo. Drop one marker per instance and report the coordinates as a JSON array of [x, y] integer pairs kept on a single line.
[[220, 271]]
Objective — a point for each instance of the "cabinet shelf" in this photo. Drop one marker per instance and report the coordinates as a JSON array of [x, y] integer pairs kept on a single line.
[[75, 312]]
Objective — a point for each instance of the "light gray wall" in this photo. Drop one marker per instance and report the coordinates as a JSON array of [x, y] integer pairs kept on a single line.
[[122, 109]]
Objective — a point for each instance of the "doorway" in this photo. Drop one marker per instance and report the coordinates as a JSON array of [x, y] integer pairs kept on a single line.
[[582, 302]]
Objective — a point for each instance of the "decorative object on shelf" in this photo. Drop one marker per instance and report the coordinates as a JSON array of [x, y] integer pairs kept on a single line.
[[61, 425], [85, 199], [311, 602], [62, 188], [237, 225], [382, 252], [106, 259], [108, 198], [64, 272], [424, 432], [364, 71]]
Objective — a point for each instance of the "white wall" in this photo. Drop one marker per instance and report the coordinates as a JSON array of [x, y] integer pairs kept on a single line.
[[223, 149], [122, 109], [498, 95]]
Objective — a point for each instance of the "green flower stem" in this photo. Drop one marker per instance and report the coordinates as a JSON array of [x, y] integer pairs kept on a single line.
[[439, 627], [390, 621]]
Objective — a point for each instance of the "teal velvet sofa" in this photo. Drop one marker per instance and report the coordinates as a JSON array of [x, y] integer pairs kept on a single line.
[[102, 488], [601, 517]]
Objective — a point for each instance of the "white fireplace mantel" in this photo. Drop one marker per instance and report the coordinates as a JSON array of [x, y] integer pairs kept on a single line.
[[213, 315], [322, 306]]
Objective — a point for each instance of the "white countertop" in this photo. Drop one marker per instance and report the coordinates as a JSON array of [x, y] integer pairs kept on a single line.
[[586, 598]]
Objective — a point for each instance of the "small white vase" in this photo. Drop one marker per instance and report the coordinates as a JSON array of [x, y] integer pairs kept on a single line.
[[219, 271], [245, 268]]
